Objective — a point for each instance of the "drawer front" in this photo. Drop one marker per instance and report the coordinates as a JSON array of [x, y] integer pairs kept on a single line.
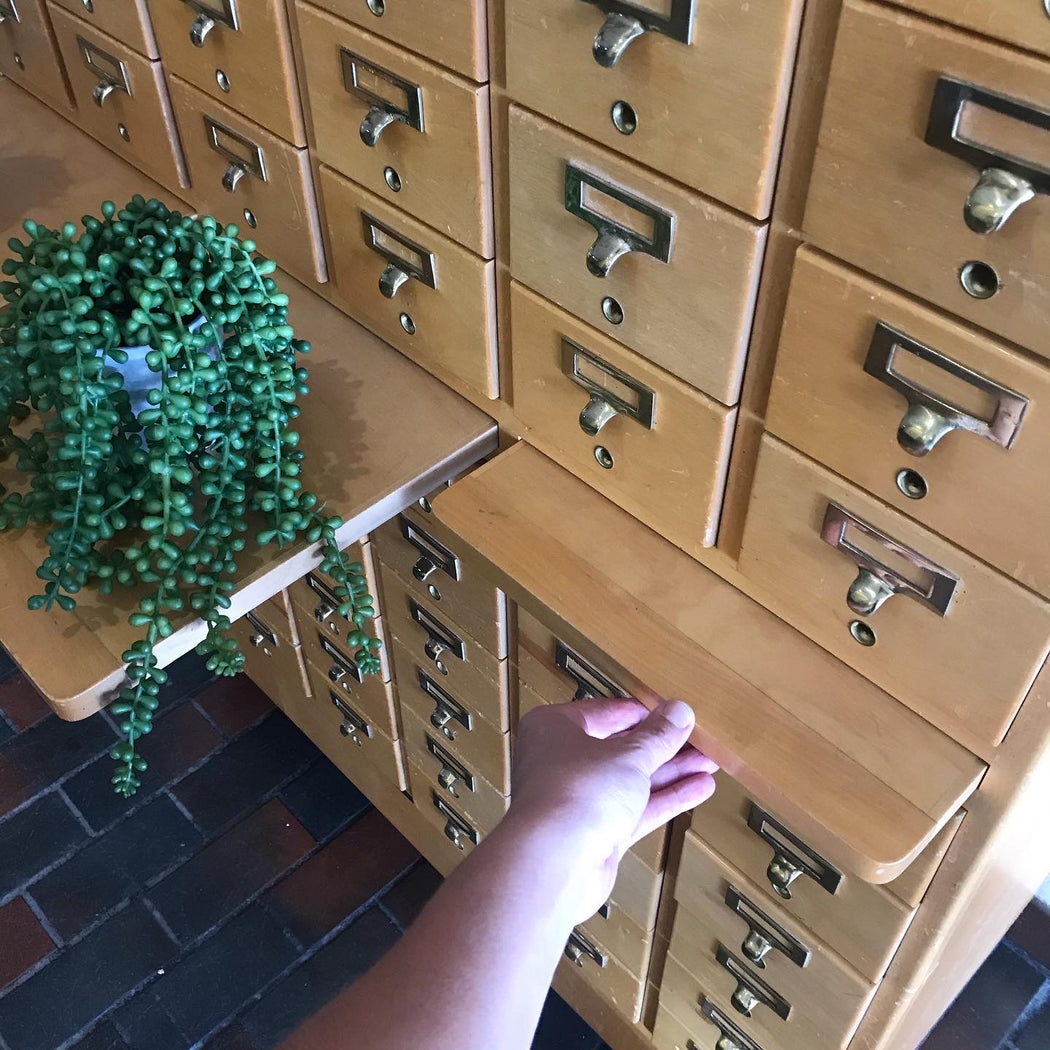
[[615, 244], [741, 946], [640, 436], [277, 613], [861, 922], [621, 989], [885, 199], [404, 128], [122, 99], [359, 553], [922, 412], [432, 562], [670, 1033], [474, 740], [615, 930], [637, 889], [1024, 23], [441, 812], [271, 661], [700, 95], [127, 20], [413, 287], [239, 52], [28, 53], [346, 734], [450, 775], [456, 661], [954, 640], [452, 32], [241, 173]]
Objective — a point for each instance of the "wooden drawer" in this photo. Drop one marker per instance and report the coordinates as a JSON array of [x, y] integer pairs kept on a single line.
[[126, 20], [271, 661], [462, 785], [473, 739], [29, 54], [621, 989], [622, 936], [701, 97], [239, 52], [435, 566], [241, 173], [884, 199], [637, 889], [359, 553], [669, 1033], [452, 32], [134, 118], [277, 613], [404, 128], [456, 661], [413, 287], [441, 812], [1023, 23], [652, 444], [675, 234], [346, 734], [862, 922], [956, 641], [858, 362], [722, 936]]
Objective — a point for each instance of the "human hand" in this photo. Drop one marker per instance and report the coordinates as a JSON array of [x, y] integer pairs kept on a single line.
[[598, 776]]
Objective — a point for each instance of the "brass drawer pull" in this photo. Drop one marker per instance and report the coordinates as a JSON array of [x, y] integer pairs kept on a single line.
[[579, 949], [8, 10], [262, 637], [245, 157], [354, 726], [612, 391], [440, 639], [626, 22], [732, 1037], [616, 240], [342, 666], [751, 990], [406, 260], [447, 710], [457, 828], [763, 933], [1006, 182], [382, 112], [876, 582], [210, 15], [452, 771], [111, 71], [791, 856], [328, 604], [591, 684], [433, 554], [929, 417]]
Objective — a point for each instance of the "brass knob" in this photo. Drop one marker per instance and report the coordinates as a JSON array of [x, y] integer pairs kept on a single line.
[[257, 639], [434, 649], [453, 835], [781, 874], [744, 1000], [447, 779], [726, 1043], [323, 612], [375, 123], [391, 280], [756, 948], [232, 176], [439, 719], [574, 953], [997, 195], [867, 593], [350, 730], [336, 673], [921, 429], [200, 29], [606, 250], [596, 413], [614, 37], [423, 569], [103, 89]]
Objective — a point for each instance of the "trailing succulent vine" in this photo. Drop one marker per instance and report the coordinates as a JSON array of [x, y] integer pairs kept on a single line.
[[161, 499]]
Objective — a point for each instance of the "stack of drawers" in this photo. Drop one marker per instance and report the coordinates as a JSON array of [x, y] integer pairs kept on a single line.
[[29, 53], [447, 630]]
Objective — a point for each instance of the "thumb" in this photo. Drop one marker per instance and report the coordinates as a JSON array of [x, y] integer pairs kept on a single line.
[[660, 736]]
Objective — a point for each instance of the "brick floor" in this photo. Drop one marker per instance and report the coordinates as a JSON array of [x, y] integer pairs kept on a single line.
[[249, 883]]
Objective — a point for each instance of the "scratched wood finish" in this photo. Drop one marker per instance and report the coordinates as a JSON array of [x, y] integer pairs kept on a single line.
[[1023, 23]]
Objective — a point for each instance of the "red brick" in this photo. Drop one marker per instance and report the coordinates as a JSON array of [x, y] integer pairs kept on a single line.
[[234, 704], [22, 704], [24, 940], [349, 871]]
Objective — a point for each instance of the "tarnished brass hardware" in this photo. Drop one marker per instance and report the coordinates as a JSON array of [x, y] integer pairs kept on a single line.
[[764, 934], [791, 856]]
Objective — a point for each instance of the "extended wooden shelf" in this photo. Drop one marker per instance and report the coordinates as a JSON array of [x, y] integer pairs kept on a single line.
[[858, 773], [378, 431]]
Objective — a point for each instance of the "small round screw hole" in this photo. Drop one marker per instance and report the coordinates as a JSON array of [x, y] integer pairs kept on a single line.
[[624, 118], [979, 280], [222, 80], [604, 457], [408, 324], [250, 219], [863, 633], [18, 61], [393, 180], [434, 592], [377, 7], [612, 310], [912, 484], [424, 505], [123, 132]]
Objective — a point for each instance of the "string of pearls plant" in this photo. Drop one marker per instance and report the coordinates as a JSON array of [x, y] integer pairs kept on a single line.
[[162, 498]]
